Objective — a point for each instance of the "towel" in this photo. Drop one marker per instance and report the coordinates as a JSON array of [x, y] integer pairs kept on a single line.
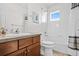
[[73, 42]]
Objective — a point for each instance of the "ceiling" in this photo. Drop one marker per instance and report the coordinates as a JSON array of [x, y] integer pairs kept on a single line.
[[36, 4]]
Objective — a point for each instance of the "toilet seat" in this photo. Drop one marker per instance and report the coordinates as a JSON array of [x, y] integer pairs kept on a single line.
[[47, 42]]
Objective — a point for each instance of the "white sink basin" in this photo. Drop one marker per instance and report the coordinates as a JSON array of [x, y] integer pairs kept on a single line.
[[15, 35], [20, 34]]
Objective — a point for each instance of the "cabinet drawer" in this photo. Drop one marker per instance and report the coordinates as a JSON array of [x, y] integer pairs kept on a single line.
[[21, 52], [25, 42], [36, 39], [32, 46], [8, 47]]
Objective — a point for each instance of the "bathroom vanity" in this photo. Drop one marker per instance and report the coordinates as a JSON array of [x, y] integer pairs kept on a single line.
[[20, 45]]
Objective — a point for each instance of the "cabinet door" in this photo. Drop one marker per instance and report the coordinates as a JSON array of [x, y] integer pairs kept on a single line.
[[21, 52], [8, 47], [33, 50]]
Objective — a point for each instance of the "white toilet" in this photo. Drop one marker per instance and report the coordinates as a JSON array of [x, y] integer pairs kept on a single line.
[[47, 48]]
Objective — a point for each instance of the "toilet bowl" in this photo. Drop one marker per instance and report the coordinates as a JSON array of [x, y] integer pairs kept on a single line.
[[47, 47]]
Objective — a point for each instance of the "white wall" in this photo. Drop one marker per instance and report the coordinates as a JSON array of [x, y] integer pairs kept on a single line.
[[12, 14], [58, 31], [34, 27]]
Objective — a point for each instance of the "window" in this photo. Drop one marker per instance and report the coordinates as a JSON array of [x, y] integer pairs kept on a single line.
[[55, 16]]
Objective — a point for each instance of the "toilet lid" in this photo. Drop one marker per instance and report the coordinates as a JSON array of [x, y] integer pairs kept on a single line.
[[47, 42]]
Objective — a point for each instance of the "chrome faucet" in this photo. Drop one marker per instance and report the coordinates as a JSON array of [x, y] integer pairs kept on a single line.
[[17, 31]]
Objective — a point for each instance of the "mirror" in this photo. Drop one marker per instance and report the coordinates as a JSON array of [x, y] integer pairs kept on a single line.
[[12, 16], [35, 17]]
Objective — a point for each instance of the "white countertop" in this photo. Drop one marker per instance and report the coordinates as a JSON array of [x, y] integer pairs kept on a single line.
[[10, 37]]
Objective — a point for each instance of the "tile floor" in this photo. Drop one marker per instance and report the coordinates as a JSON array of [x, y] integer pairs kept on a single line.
[[56, 53]]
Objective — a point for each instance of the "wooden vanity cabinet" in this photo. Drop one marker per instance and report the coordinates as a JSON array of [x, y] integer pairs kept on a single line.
[[22, 47]]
